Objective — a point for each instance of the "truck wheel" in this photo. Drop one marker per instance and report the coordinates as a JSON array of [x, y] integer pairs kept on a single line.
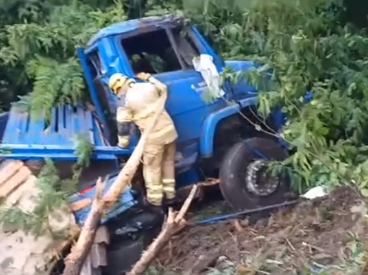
[[122, 257], [129, 239], [245, 182]]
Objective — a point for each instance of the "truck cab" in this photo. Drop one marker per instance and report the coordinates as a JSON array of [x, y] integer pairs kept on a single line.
[[164, 47]]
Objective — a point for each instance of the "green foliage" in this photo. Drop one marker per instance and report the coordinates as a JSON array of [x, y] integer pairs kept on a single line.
[[54, 195], [67, 84], [43, 44], [303, 47], [300, 46], [83, 151]]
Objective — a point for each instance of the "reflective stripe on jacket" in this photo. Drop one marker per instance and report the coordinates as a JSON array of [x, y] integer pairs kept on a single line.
[[140, 106]]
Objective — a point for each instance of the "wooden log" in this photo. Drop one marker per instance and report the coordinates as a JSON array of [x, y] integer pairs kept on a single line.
[[75, 260], [126, 175]]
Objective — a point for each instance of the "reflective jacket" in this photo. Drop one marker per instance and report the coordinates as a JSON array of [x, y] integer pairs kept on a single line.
[[140, 105]]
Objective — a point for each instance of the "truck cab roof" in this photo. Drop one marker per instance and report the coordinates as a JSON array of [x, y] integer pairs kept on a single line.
[[136, 26]]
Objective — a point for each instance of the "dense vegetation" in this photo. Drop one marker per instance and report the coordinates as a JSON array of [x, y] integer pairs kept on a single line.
[[308, 45]]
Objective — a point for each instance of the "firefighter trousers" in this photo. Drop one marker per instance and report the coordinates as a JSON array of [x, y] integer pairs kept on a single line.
[[159, 172]]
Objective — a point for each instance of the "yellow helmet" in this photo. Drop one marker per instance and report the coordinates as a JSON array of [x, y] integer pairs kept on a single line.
[[117, 81]]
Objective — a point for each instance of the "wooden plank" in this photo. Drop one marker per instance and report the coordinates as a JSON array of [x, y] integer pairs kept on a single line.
[[18, 194], [22, 250], [8, 169], [29, 200], [80, 205], [15, 181]]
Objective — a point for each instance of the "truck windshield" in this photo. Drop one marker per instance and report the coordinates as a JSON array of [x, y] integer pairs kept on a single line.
[[151, 52], [154, 52]]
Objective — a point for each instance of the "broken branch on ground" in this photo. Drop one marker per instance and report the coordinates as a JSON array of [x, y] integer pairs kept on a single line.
[[174, 222]]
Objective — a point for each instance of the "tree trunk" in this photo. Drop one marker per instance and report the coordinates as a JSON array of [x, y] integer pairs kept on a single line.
[[127, 173], [75, 259]]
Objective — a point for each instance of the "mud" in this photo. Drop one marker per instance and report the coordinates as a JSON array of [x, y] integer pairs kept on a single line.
[[324, 236]]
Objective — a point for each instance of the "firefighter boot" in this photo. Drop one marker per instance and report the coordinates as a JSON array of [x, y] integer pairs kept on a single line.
[[170, 202], [152, 208]]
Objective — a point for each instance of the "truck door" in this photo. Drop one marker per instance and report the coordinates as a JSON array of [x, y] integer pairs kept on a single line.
[[188, 102], [94, 70]]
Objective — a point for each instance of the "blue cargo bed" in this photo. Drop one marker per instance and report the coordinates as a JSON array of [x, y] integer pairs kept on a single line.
[[25, 137]]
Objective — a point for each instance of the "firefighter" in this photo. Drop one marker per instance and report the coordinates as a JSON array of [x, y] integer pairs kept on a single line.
[[159, 154]]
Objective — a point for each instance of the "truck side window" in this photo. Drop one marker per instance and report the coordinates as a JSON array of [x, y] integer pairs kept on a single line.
[[151, 52], [95, 66], [94, 63], [186, 47], [92, 68]]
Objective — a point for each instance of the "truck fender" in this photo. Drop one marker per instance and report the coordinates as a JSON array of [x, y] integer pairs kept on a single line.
[[211, 122]]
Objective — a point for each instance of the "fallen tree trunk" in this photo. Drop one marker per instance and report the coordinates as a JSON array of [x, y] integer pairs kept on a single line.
[[127, 173], [75, 259], [173, 223]]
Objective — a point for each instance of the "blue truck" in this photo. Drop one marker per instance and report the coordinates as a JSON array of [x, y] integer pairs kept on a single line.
[[215, 140]]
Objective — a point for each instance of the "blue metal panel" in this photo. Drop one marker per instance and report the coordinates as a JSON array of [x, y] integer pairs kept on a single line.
[[188, 177], [29, 137], [185, 103], [111, 55], [116, 61], [209, 126], [24, 152], [93, 91], [125, 202], [188, 156], [242, 88]]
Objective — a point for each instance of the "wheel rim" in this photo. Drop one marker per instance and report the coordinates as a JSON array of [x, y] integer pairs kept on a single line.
[[258, 180]]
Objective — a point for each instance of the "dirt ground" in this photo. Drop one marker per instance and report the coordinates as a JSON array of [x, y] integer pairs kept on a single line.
[[325, 236]]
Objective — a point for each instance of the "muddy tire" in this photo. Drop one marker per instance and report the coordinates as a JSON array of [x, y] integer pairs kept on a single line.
[[233, 174], [125, 249]]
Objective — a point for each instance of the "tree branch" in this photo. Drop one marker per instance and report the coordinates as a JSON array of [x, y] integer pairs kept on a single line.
[[173, 223], [74, 261]]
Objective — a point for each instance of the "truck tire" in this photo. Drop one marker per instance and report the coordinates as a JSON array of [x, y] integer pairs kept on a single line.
[[234, 175], [124, 255], [129, 240]]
